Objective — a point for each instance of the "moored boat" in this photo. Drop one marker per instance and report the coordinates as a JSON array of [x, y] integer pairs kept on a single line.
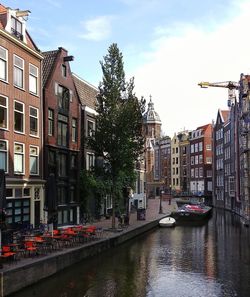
[[192, 212], [167, 222]]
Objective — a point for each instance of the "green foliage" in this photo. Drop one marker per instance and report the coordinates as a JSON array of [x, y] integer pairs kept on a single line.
[[118, 138]]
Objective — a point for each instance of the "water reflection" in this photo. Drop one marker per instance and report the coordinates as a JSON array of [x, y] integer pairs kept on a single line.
[[212, 259]]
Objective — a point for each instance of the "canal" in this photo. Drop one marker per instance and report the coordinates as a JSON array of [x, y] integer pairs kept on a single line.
[[212, 259]]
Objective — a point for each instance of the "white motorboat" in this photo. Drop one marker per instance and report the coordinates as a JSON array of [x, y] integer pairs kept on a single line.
[[167, 222]]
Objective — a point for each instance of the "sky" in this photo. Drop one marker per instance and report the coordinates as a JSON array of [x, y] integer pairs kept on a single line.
[[168, 46]]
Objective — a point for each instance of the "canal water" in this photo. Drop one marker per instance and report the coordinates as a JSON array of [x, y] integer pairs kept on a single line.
[[190, 260]]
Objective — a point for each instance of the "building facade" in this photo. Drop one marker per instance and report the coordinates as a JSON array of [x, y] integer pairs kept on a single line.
[[184, 149], [21, 133], [201, 162], [152, 132], [62, 119]]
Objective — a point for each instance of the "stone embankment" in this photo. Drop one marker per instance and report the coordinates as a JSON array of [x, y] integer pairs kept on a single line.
[[28, 271]]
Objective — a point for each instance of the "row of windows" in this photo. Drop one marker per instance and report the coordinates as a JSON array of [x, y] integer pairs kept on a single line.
[[18, 72], [18, 116], [197, 172], [19, 158], [219, 149], [198, 159], [219, 134], [62, 127]]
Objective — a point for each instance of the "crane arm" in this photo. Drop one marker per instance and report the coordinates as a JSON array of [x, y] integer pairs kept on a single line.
[[227, 84]]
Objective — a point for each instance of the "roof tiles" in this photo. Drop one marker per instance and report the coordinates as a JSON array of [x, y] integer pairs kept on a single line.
[[86, 92]]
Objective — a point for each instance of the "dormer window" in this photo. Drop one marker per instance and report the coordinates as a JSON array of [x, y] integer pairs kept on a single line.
[[16, 28], [64, 70]]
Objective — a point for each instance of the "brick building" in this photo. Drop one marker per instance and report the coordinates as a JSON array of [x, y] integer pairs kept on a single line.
[[21, 142], [201, 162], [62, 118]]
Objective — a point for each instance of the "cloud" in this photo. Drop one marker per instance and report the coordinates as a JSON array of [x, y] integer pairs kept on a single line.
[[183, 55], [97, 29]]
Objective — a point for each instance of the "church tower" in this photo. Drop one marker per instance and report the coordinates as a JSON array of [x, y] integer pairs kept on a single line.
[[152, 132]]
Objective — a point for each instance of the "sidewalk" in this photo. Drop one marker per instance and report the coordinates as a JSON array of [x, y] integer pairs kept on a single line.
[[152, 214]]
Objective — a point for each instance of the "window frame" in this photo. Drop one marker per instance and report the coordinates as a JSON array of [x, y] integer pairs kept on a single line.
[[23, 117], [6, 169], [51, 122], [14, 31], [89, 129], [37, 120], [6, 112], [74, 130], [36, 156], [18, 67], [90, 156], [6, 64], [23, 159], [36, 79]]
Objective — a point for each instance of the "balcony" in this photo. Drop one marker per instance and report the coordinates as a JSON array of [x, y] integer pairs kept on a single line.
[[17, 34]]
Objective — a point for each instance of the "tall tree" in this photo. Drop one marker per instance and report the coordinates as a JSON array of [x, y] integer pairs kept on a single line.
[[118, 138]]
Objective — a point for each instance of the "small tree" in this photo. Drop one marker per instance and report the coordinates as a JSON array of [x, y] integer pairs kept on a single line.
[[118, 137]]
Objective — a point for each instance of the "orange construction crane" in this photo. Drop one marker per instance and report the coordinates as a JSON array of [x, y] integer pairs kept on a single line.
[[230, 85]]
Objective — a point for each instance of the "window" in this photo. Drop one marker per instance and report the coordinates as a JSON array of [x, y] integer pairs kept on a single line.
[[18, 72], [192, 172], [3, 64], [3, 112], [74, 130], [208, 147], [62, 158], [18, 158], [64, 71], [200, 146], [62, 131], [200, 172], [200, 159], [33, 79], [16, 28], [90, 127], [63, 95], [208, 160], [209, 173], [51, 122], [73, 162], [33, 160], [18, 117], [18, 209], [196, 159], [3, 155], [192, 160], [196, 172], [196, 147], [90, 161], [33, 121]]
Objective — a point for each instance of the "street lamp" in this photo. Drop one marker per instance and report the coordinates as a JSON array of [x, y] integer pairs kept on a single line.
[[160, 209]]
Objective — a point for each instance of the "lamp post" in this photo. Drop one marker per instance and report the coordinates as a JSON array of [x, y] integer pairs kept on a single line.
[[160, 208]]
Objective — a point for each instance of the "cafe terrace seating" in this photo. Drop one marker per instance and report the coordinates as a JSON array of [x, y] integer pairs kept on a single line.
[[31, 243]]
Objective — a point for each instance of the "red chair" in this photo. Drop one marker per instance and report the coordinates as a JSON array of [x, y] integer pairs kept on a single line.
[[7, 253], [30, 247]]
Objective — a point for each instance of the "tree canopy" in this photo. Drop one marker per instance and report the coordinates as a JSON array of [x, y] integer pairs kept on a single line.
[[118, 138]]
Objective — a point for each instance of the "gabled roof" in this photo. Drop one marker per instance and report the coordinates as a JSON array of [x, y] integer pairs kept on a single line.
[[87, 93], [225, 115], [3, 9], [3, 22], [48, 64]]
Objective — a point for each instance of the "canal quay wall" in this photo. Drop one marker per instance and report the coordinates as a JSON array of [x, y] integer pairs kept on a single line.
[[29, 271]]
